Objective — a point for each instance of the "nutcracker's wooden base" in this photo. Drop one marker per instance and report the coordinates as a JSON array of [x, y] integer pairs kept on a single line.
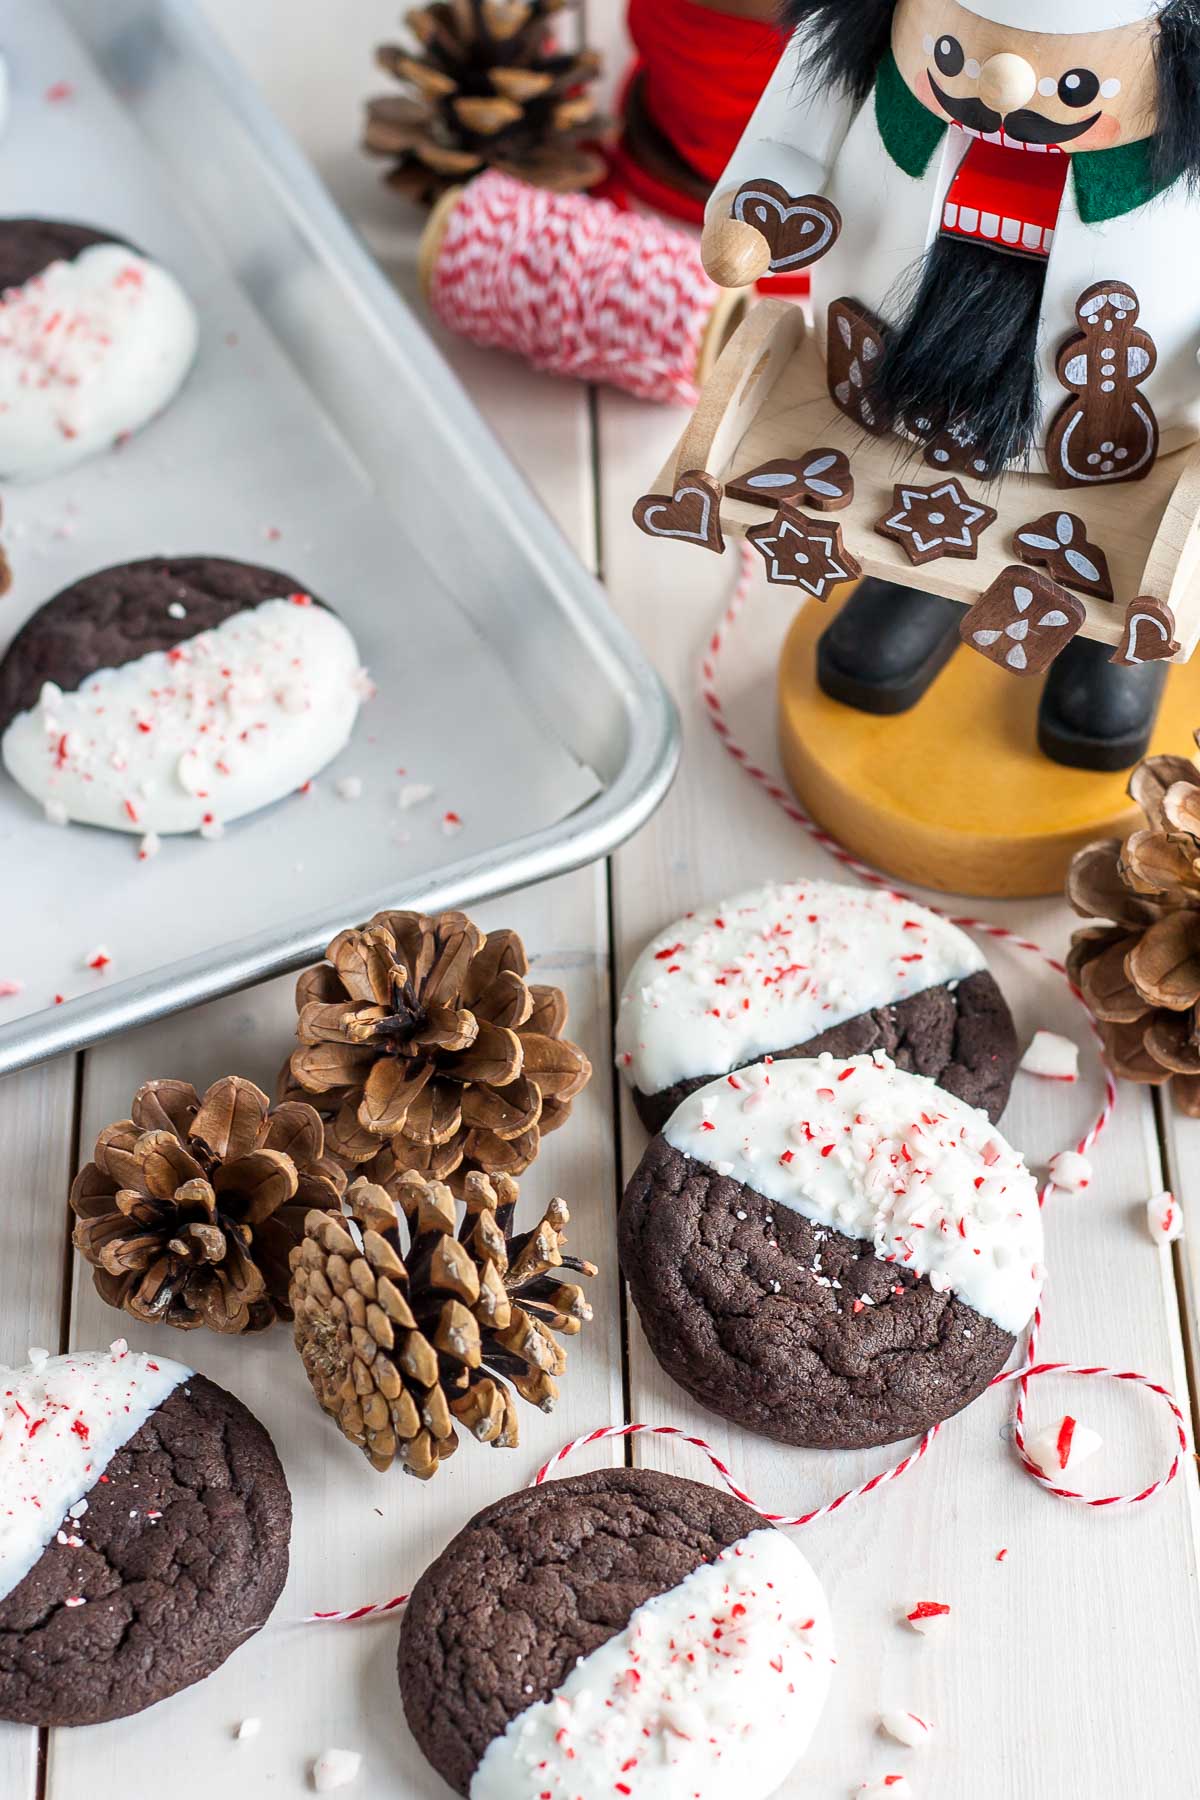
[[955, 794]]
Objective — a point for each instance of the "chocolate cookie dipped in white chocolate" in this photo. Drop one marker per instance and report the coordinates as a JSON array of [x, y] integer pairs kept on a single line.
[[800, 967], [176, 697], [95, 339]]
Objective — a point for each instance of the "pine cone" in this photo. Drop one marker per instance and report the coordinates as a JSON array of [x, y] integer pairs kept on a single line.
[[428, 1050], [487, 89], [400, 1344], [191, 1207], [1139, 971]]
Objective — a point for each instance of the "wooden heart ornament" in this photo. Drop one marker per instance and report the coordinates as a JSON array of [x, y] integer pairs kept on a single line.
[[692, 513], [799, 231]]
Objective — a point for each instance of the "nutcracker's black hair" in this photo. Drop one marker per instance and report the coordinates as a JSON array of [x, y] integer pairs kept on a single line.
[[849, 38], [964, 350], [1177, 142]]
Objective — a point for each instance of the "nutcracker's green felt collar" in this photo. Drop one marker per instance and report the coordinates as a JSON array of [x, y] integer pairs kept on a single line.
[[1108, 183]]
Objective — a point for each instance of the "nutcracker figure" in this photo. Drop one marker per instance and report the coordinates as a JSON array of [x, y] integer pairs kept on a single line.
[[1008, 194]]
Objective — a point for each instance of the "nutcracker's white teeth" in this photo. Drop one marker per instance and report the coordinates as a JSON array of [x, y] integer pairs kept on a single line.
[[1009, 143], [968, 221]]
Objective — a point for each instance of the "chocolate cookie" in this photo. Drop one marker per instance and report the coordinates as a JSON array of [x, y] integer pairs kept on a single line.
[[799, 968], [575, 1631], [833, 1254], [175, 694], [95, 338], [145, 1534]]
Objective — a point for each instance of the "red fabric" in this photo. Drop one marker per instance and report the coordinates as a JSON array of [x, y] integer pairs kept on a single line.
[[702, 75]]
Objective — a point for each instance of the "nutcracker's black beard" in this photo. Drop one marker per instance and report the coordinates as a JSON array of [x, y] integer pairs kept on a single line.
[[963, 353]]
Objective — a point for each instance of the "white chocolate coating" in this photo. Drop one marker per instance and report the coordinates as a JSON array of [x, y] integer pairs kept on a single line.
[[884, 1157], [190, 738], [772, 968], [62, 1420], [711, 1692], [89, 349]]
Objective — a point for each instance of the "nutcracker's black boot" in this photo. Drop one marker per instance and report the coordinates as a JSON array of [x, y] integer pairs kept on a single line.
[[885, 646], [1095, 715]]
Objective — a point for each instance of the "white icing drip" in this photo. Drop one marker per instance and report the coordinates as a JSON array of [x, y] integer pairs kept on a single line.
[[185, 739], [884, 1157], [711, 1692], [62, 1420], [89, 349], [773, 968]]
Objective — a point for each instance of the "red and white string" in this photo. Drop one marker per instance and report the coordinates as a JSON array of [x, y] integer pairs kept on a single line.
[[1030, 1369], [575, 286]]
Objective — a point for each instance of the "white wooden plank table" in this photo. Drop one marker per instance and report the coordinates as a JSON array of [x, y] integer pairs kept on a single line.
[[1071, 1667]]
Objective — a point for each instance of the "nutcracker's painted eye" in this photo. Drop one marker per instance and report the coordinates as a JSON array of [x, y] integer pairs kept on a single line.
[[949, 56], [1078, 87]]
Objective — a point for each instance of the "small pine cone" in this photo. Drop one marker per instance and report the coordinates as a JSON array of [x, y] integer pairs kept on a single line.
[[191, 1207], [486, 87], [426, 1049], [404, 1340], [1138, 964]]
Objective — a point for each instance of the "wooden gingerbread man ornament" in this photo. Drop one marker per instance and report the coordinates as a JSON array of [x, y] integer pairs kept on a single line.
[[1108, 432]]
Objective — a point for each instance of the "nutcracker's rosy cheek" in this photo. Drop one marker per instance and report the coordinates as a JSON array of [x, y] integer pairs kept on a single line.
[[925, 94], [1103, 135]]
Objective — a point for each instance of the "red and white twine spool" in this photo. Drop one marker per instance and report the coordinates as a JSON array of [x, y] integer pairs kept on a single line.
[[1030, 1369], [576, 286]]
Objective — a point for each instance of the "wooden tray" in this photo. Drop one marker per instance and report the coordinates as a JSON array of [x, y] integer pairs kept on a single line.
[[767, 398]]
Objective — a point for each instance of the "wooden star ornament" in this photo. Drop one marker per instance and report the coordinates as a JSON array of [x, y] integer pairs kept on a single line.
[[804, 553]]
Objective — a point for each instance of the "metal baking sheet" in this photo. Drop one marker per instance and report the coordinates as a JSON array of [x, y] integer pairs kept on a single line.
[[321, 433]]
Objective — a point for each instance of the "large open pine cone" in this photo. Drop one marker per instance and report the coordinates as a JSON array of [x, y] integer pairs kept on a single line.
[[1139, 970], [425, 1048], [487, 88], [191, 1206], [402, 1343]]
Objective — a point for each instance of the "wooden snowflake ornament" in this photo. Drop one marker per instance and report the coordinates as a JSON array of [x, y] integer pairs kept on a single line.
[[1023, 621], [804, 553]]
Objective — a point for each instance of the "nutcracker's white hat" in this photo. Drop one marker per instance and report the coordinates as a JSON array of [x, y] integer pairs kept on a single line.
[[1065, 17]]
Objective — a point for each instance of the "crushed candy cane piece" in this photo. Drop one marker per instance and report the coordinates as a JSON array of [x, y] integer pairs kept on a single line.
[[1070, 1171], [907, 1728], [177, 610], [150, 846], [895, 1787], [335, 1769], [451, 823], [211, 828], [927, 1614], [249, 1728], [98, 959], [1164, 1215], [55, 811], [11, 987], [413, 793], [1052, 1057], [350, 787], [1062, 1446]]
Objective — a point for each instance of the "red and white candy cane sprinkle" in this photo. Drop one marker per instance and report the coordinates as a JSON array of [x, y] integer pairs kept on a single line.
[[1030, 1369]]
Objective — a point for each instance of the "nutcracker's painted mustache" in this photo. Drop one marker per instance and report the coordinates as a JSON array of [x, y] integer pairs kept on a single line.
[[1025, 126]]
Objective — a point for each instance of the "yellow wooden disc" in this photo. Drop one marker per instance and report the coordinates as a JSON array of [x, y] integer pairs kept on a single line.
[[955, 794]]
